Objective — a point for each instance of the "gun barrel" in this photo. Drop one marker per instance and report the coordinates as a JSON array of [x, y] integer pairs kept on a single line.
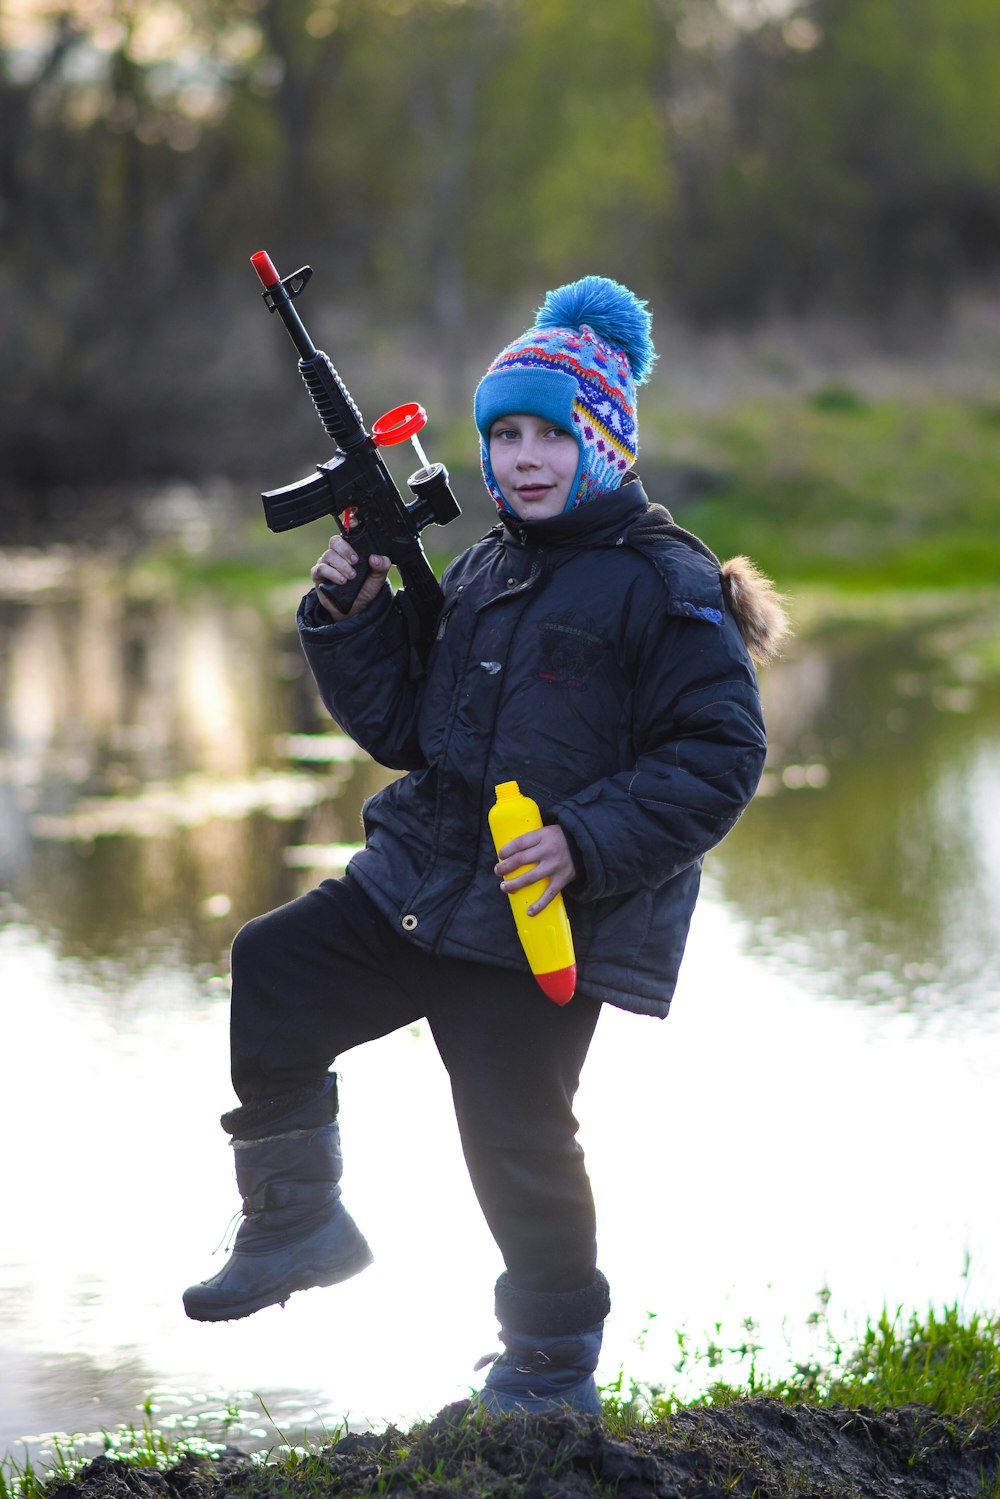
[[279, 300]]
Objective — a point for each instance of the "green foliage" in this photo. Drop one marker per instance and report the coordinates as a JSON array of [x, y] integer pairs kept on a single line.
[[945, 1360], [847, 152], [160, 1444], [849, 167], [849, 490], [841, 157], [561, 192], [942, 1360], [837, 398], [145, 1445]]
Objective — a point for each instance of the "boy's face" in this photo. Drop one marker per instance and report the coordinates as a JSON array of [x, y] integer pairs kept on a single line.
[[534, 463]]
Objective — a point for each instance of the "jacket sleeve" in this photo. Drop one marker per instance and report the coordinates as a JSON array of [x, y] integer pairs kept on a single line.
[[700, 747], [361, 667]]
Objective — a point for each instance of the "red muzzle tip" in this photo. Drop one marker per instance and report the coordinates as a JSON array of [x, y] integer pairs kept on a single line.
[[264, 266]]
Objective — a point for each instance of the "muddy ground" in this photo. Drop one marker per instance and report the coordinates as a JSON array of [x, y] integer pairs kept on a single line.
[[761, 1449]]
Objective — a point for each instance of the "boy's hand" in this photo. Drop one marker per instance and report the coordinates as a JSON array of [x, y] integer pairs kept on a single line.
[[337, 566], [548, 850]]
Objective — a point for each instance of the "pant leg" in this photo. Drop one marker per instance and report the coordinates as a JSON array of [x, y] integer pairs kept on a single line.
[[514, 1059], [326, 972], [310, 980]]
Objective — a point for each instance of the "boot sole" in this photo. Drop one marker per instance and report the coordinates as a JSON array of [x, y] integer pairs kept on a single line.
[[492, 1401], [211, 1309]]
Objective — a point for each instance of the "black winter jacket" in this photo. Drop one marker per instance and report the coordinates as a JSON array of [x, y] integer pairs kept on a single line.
[[592, 658]]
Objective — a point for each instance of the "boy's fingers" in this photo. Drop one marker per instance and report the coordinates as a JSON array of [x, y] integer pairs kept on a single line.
[[339, 564], [547, 895], [519, 847], [333, 566], [338, 547], [511, 866], [511, 880]]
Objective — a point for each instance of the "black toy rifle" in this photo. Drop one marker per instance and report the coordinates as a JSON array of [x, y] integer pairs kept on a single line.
[[354, 486]]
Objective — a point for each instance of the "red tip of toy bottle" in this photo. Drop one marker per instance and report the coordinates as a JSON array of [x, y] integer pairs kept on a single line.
[[264, 266], [559, 985]]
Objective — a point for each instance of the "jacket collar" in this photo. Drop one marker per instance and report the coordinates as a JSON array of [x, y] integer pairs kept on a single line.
[[601, 521]]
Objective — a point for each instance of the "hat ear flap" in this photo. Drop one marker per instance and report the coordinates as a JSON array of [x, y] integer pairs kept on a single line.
[[489, 478]]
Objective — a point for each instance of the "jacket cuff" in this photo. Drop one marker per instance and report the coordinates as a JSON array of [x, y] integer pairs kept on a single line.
[[587, 860], [314, 624]]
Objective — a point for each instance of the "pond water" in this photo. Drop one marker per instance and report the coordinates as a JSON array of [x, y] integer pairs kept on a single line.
[[812, 1131]]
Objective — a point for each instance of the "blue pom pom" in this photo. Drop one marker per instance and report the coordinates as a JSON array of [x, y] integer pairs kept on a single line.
[[616, 315]]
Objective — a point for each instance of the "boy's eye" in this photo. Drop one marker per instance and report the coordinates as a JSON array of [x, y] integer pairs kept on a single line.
[[511, 434]]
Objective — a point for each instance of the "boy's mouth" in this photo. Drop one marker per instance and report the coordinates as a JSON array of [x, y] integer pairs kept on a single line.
[[533, 491]]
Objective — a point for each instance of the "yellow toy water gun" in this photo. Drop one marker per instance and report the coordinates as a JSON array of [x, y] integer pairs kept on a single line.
[[546, 937]]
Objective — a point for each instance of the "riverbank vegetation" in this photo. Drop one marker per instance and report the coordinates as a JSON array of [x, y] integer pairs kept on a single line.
[[840, 488], [831, 490], [911, 1407]]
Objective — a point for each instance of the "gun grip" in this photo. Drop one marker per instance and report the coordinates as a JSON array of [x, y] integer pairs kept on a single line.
[[342, 595]]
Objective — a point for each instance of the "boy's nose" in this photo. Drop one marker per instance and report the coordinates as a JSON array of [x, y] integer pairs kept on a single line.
[[529, 456]]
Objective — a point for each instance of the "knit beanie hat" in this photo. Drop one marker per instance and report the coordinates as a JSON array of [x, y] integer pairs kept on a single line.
[[578, 366]]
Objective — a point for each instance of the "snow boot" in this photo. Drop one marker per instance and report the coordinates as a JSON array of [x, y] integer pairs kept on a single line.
[[552, 1342], [295, 1233]]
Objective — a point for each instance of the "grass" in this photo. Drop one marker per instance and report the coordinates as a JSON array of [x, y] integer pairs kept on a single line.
[[943, 1360], [841, 489], [142, 1445], [160, 1445]]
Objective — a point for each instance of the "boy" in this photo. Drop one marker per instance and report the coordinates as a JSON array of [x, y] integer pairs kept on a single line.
[[597, 654]]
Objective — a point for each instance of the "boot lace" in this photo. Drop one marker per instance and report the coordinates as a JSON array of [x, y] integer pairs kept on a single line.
[[228, 1233], [530, 1364]]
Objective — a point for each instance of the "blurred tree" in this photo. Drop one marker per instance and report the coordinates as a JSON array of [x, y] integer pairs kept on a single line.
[[443, 57], [445, 161], [845, 154], [107, 178], [912, 88], [573, 160]]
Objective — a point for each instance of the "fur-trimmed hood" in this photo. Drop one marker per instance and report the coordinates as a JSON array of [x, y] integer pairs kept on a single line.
[[757, 607], [752, 598]]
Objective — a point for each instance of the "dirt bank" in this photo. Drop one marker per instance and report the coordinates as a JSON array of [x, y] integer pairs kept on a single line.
[[761, 1449]]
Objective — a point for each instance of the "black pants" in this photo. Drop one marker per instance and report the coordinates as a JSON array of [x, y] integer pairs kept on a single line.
[[327, 972]]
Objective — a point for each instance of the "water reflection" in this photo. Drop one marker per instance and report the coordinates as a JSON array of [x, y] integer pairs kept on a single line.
[[158, 758], [167, 773], [890, 877]]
